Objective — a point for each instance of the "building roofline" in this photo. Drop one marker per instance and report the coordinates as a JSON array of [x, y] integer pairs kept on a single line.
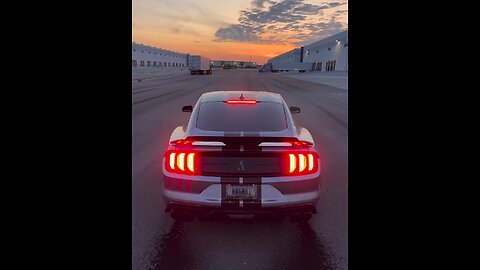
[[153, 49], [316, 43], [327, 39]]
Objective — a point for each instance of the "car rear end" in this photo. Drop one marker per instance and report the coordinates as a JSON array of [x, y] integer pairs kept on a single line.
[[264, 169]]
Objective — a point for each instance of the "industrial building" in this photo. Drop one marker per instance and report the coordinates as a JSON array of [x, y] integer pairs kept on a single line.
[[329, 54], [238, 64], [148, 57]]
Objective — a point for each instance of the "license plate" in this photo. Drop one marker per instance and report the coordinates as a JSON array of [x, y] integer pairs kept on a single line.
[[241, 192]]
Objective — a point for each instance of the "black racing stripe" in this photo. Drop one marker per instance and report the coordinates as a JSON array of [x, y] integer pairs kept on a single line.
[[229, 145], [232, 134], [252, 180], [252, 140], [224, 181], [252, 146], [230, 180], [251, 134]]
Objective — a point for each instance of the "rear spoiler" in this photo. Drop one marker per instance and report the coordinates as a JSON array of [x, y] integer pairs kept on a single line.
[[253, 141]]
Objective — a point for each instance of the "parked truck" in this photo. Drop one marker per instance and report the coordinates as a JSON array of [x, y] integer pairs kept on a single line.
[[286, 67], [198, 64]]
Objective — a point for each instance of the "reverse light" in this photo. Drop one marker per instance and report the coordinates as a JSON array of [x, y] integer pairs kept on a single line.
[[302, 163], [242, 101]]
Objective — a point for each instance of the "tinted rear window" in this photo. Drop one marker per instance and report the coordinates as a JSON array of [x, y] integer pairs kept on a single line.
[[263, 116]]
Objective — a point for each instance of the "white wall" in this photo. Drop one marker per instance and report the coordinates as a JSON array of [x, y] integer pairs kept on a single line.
[[145, 53], [318, 51]]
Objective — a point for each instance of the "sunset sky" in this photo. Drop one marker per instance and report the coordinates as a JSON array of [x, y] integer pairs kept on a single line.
[[243, 30]]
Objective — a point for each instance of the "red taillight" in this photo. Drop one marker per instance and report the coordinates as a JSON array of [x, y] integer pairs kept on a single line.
[[301, 143], [302, 163], [310, 162], [191, 162], [292, 163], [302, 160], [171, 160], [181, 142], [180, 162], [241, 101]]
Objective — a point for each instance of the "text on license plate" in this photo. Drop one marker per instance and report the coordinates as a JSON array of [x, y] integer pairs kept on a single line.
[[241, 192]]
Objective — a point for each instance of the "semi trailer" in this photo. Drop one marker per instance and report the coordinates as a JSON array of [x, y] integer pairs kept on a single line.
[[198, 64]]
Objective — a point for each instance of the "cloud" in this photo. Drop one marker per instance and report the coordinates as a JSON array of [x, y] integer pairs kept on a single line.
[[260, 3], [335, 4], [294, 20], [236, 32], [310, 9], [340, 12], [320, 30]]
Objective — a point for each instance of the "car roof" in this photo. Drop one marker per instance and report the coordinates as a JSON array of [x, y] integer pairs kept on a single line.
[[255, 95]]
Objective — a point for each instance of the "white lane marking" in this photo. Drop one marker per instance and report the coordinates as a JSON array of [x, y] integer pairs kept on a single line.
[[241, 148], [241, 180], [241, 203]]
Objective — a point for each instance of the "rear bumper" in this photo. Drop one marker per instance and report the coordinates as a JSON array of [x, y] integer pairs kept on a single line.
[[276, 194], [212, 197]]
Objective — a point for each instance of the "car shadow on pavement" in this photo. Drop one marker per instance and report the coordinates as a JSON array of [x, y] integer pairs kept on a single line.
[[255, 243]]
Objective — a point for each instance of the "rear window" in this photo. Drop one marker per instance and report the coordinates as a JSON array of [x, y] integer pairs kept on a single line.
[[220, 116]]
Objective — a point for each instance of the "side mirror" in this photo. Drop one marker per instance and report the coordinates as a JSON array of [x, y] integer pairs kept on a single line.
[[188, 108], [294, 109]]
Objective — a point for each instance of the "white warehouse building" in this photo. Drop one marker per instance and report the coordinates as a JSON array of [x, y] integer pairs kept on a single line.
[[293, 56], [329, 54], [148, 57]]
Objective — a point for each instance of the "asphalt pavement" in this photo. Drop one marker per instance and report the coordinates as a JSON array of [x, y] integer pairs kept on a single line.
[[158, 242]]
